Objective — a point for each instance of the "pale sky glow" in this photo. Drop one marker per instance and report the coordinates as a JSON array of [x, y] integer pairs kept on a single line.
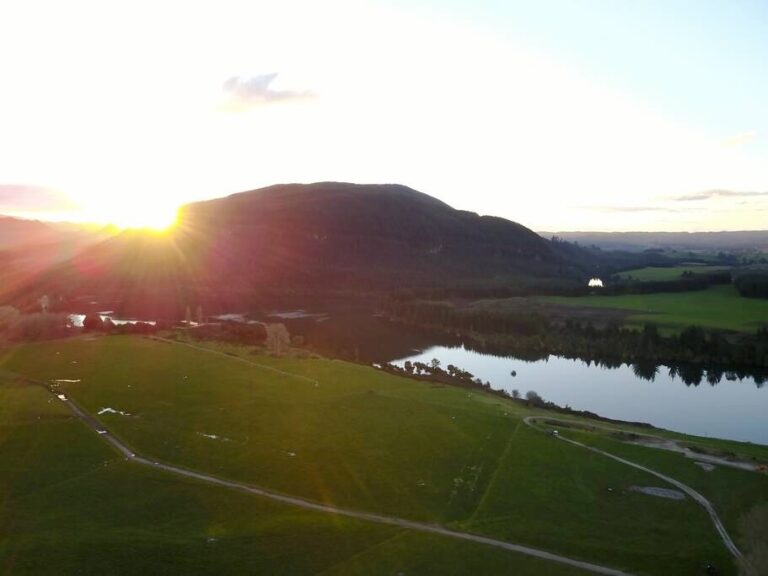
[[558, 117]]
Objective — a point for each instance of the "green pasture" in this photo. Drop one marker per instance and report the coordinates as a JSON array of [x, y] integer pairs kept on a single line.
[[71, 506], [652, 273], [716, 307], [346, 435], [732, 491]]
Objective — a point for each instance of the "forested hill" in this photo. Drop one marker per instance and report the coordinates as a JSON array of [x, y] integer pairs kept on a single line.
[[309, 238], [384, 233]]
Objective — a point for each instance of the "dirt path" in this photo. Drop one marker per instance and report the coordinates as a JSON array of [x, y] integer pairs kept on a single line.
[[706, 504], [130, 455], [670, 445]]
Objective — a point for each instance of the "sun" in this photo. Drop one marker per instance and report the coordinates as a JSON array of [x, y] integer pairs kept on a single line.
[[138, 212], [155, 219], [139, 216]]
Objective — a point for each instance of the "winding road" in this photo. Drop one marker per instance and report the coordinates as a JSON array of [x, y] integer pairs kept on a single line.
[[706, 504]]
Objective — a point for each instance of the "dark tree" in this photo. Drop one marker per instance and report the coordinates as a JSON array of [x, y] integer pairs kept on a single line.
[[93, 322]]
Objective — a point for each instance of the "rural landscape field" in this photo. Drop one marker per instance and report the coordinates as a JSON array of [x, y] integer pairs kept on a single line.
[[435, 454], [375, 287], [716, 307]]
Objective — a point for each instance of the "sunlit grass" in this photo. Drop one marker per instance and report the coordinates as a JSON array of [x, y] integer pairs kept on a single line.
[[364, 439], [716, 307]]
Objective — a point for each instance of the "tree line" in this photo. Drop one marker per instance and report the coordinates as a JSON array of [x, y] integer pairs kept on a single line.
[[752, 284], [614, 285], [695, 354]]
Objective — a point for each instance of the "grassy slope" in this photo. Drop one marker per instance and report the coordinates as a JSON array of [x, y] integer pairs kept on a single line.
[[716, 307], [554, 490], [368, 440], [69, 505], [671, 273], [733, 492]]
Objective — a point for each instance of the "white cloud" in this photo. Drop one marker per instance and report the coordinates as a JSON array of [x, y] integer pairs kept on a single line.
[[741, 139], [246, 92], [16, 198], [711, 194]]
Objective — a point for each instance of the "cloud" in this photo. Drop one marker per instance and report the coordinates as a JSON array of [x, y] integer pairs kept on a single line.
[[740, 139], [248, 92], [710, 194], [630, 209], [25, 198]]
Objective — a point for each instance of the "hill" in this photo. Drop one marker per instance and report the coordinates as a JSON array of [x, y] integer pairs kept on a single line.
[[28, 248], [311, 238], [368, 231], [16, 231]]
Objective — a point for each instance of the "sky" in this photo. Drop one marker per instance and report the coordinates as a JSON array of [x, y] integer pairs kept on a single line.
[[558, 114]]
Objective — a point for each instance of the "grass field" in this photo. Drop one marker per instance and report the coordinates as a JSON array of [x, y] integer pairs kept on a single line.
[[359, 438], [733, 492], [69, 505], [716, 307], [670, 273]]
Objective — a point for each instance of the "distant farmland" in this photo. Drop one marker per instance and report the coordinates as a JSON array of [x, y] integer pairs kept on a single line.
[[716, 307], [671, 273]]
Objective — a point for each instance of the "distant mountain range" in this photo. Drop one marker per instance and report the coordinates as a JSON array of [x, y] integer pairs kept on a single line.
[[674, 241]]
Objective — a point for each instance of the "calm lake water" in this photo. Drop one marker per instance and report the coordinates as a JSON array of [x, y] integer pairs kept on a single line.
[[737, 410]]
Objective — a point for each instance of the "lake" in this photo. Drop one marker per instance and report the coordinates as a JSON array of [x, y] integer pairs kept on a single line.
[[733, 409]]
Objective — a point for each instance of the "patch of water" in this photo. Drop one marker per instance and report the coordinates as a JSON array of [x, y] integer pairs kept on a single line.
[[668, 493], [295, 315], [77, 320], [241, 318], [213, 437], [112, 411]]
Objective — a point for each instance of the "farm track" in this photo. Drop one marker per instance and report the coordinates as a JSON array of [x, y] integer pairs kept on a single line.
[[696, 496]]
